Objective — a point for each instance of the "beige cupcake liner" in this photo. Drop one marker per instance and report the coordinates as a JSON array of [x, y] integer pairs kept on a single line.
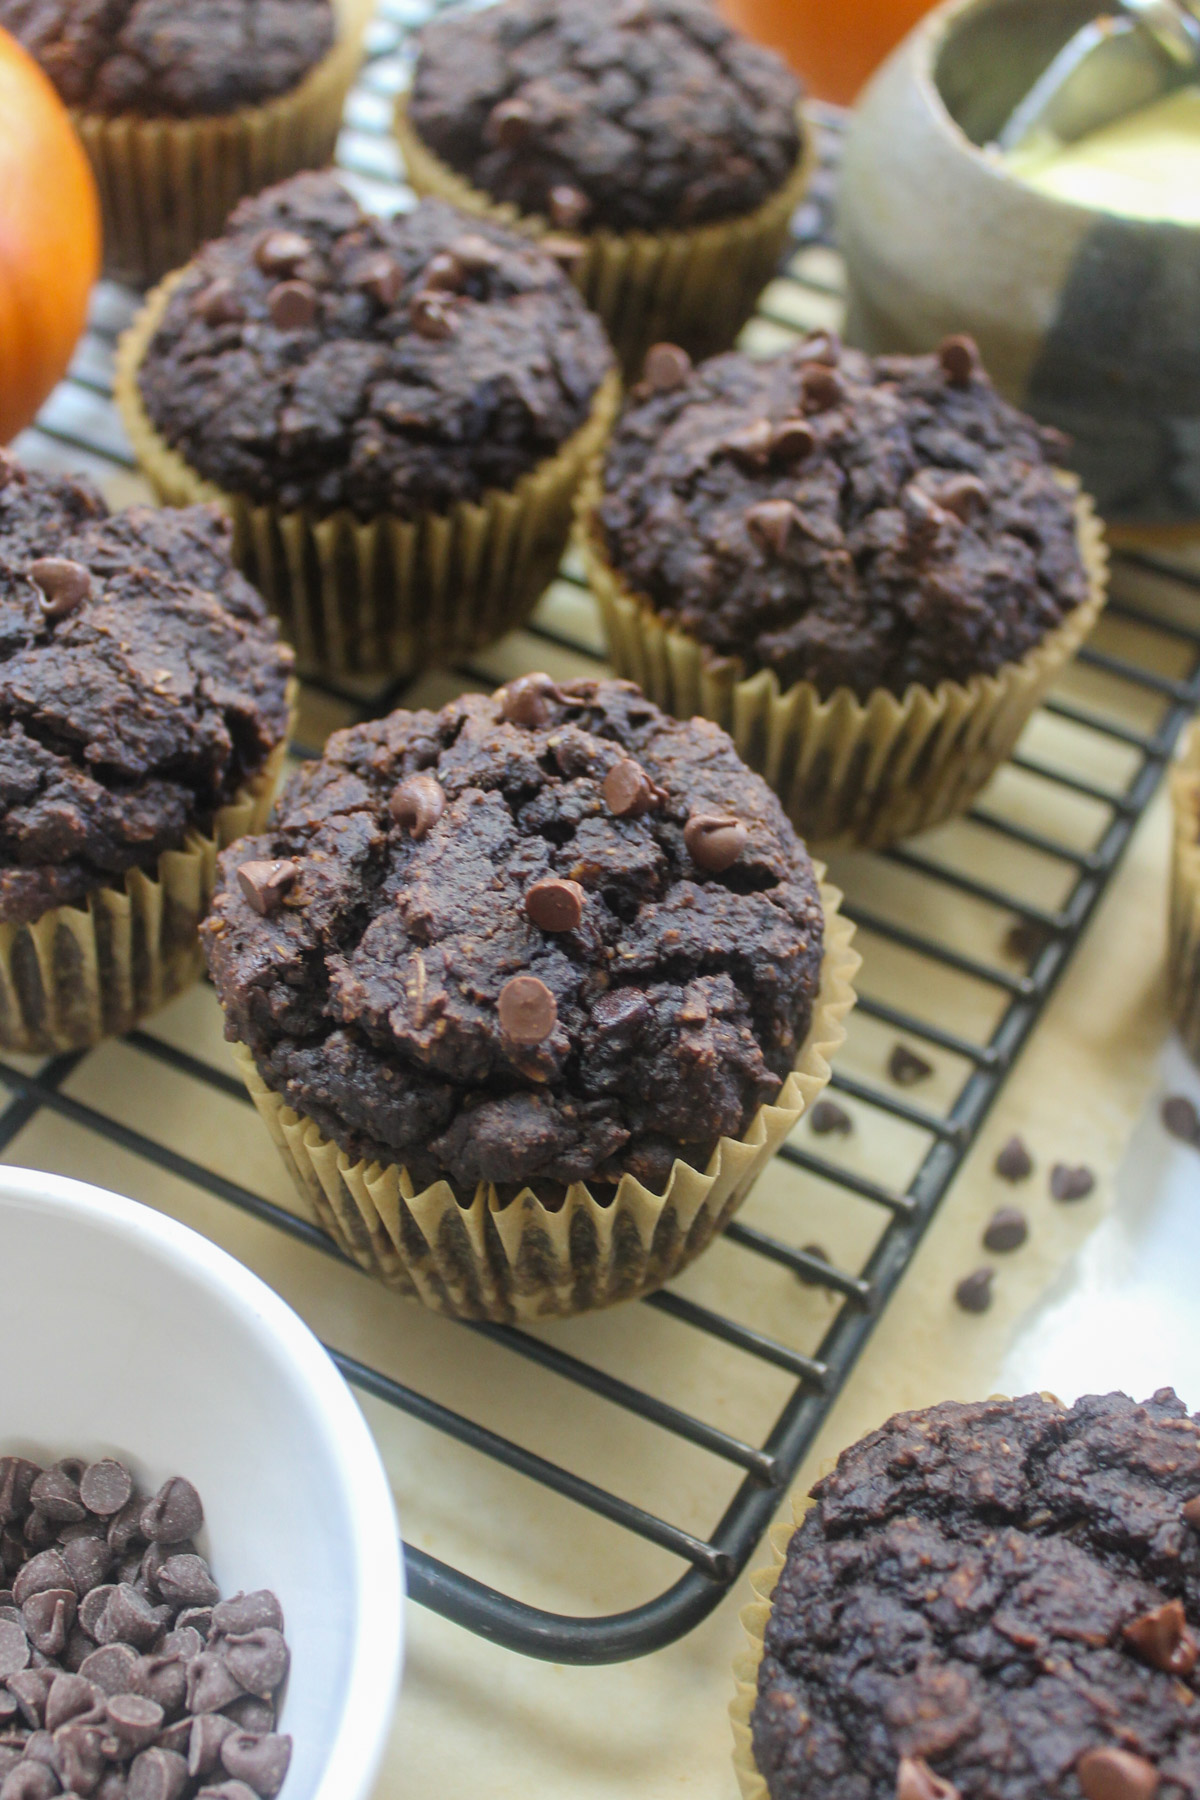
[[696, 288], [388, 595], [82, 973], [1184, 942], [847, 771], [484, 1259], [167, 185]]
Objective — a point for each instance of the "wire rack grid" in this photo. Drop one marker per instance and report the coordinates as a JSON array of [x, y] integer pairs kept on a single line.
[[978, 921]]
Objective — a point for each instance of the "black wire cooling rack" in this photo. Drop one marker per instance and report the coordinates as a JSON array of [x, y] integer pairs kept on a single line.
[[979, 919]]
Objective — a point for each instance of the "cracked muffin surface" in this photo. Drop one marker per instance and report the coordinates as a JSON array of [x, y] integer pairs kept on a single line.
[[545, 936], [993, 1602], [848, 521], [141, 685]]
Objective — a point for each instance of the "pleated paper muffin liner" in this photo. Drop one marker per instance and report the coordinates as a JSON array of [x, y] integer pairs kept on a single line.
[[847, 771], [82, 973], [167, 185], [694, 287], [384, 595], [1184, 942], [478, 1257]]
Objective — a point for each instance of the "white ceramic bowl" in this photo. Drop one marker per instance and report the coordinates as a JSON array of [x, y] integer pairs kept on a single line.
[[126, 1334]]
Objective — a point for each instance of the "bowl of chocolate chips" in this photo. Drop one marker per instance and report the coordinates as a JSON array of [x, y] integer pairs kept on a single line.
[[201, 1589]]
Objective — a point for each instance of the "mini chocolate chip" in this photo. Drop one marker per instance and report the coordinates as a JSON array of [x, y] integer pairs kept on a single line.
[[1013, 1161], [826, 1117], [64, 584], [39, 1532], [821, 388], [40, 1574], [906, 1068], [715, 841], [125, 1528], [381, 276], [666, 367], [963, 495], [185, 1581], [129, 1618], [567, 252], [475, 253], [568, 208], [554, 905], [770, 522], [1067, 1183], [251, 1714], [444, 271], [915, 1780], [157, 1774], [105, 1487], [1181, 1118], [162, 1679], [209, 1731], [218, 303], [184, 1643], [527, 1010], [198, 1618], [292, 305], [1112, 1774], [264, 884], [48, 1617], [1007, 1230], [14, 1648], [821, 347], [628, 791], [132, 1722], [93, 1607], [280, 251], [247, 1612], [974, 1291], [959, 357], [1163, 1639], [430, 316], [261, 1761], [90, 1561], [793, 440], [56, 1495], [509, 124], [417, 804], [258, 1659], [70, 1697], [526, 701]]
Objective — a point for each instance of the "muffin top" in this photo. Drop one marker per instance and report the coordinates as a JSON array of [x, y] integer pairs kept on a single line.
[[171, 58], [545, 936], [848, 521], [316, 356], [640, 115], [141, 685], [1002, 1595]]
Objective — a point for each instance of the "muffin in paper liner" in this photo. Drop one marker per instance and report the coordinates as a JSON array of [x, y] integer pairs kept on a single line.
[[847, 771], [484, 1258], [167, 185], [693, 287], [82, 973], [383, 595], [1184, 939]]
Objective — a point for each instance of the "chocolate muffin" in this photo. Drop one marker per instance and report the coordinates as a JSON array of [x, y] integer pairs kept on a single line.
[[647, 120], [848, 525], [144, 694], [536, 939], [992, 1602], [316, 361]]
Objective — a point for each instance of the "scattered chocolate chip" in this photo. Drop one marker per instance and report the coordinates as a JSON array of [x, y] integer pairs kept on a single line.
[[64, 584], [1112, 1774], [959, 357], [475, 253], [1067, 1183], [629, 792], [1181, 1119], [906, 1068], [1163, 1639], [279, 252], [554, 905], [509, 124], [715, 841], [527, 701], [527, 1010], [821, 1255], [1191, 1512], [822, 388], [218, 304], [381, 276], [445, 272], [827, 1117], [261, 1761], [292, 305], [974, 1291], [1026, 939], [666, 368], [915, 1780], [770, 522], [417, 804], [1008, 1228], [105, 1487], [431, 316], [793, 440], [264, 884], [567, 252], [821, 347], [568, 208], [1013, 1161], [963, 495]]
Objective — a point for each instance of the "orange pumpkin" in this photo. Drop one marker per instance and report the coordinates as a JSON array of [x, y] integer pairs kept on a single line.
[[49, 237]]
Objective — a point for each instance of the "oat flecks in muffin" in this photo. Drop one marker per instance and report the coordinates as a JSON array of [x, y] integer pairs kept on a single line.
[[141, 685], [317, 356], [846, 521], [402, 996], [171, 58], [999, 1590], [633, 115]]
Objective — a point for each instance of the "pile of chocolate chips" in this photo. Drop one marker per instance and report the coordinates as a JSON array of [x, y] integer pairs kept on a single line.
[[123, 1674]]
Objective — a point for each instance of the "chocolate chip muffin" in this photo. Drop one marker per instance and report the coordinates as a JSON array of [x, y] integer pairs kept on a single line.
[[645, 122], [536, 940], [856, 530], [186, 105], [323, 370], [145, 706], [990, 1600]]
